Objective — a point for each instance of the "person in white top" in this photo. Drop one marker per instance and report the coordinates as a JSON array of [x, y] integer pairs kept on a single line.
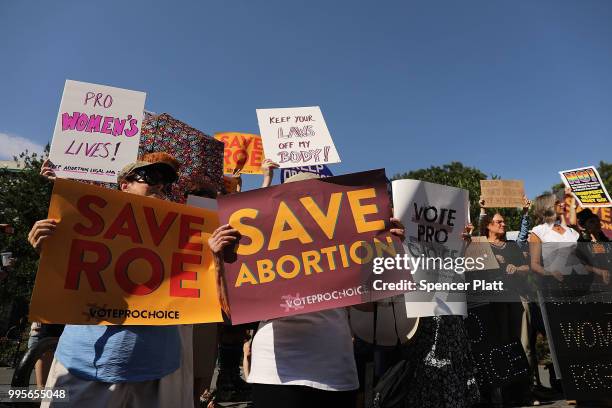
[[300, 361], [551, 259]]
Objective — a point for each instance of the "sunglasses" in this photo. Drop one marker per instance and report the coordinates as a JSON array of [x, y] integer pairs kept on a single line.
[[152, 177]]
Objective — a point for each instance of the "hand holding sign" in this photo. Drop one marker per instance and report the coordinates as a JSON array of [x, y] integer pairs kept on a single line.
[[502, 193], [586, 185], [145, 259], [40, 232]]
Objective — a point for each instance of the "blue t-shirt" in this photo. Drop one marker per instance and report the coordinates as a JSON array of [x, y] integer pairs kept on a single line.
[[116, 354]]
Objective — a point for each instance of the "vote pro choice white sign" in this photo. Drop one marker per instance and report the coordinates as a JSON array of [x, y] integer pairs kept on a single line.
[[97, 131], [295, 137]]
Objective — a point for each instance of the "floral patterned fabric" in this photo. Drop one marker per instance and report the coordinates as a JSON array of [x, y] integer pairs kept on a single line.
[[200, 155], [444, 374]]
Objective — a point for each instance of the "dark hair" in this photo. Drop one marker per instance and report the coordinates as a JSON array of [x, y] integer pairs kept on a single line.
[[583, 216], [485, 220], [484, 224]]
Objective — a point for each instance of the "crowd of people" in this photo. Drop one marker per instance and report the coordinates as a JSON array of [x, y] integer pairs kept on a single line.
[[314, 359]]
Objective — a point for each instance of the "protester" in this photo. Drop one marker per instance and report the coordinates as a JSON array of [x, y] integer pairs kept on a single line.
[[235, 341], [525, 222], [549, 234], [594, 248], [304, 360], [441, 365], [393, 332], [268, 167], [120, 365], [513, 312], [229, 347], [39, 331]]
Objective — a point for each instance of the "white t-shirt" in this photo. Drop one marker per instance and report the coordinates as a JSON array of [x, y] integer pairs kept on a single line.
[[313, 349], [558, 250]]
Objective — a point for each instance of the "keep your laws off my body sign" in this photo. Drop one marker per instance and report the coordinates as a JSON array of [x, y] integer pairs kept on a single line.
[[97, 131], [121, 258], [296, 136]]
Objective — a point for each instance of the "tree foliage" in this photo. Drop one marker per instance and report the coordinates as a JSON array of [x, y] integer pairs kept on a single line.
[[455, 174], [24, 199]]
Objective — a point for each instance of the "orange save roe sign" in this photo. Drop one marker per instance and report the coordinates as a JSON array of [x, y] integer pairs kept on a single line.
[[243, 151], [127, 255]]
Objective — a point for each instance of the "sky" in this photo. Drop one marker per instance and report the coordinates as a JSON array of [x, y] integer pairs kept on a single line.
[[518, 89]]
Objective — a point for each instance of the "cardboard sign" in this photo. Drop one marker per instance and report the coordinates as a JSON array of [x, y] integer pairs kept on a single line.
[[579, 334], [321, 170], [97, 131], [498, 361], [307, 246], [296, 137], [502, 193], [587, 187], [243, 152], [434, 216], [119, 258]]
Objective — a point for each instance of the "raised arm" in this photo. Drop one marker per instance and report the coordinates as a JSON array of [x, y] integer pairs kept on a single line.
[[221, 238], [268, 167]]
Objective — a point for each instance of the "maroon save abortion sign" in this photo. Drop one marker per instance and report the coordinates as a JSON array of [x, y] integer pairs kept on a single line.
[[308, 246]]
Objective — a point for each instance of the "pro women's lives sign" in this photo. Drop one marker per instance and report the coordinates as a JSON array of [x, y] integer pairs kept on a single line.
[[97, 131], [587, 187], [119, 258], [307, 246], [294, 137]]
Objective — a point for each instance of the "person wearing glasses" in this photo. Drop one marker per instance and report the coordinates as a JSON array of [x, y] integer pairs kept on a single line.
[[508, 306], [118, 365]]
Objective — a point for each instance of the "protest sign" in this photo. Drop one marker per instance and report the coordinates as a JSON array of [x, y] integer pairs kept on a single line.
[[498, 360], [296, 136], [587, 187], [321, 170], [307, 246], [243, 152], [119, 258], [502, 193], [579, 335], [434, 217], [97, 131]]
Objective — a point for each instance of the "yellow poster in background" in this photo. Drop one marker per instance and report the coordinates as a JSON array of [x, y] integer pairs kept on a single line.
[[119, 258], [243, 152]]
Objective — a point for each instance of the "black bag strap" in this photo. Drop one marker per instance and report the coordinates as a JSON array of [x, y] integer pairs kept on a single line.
[[398, 343], [370, 367]]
